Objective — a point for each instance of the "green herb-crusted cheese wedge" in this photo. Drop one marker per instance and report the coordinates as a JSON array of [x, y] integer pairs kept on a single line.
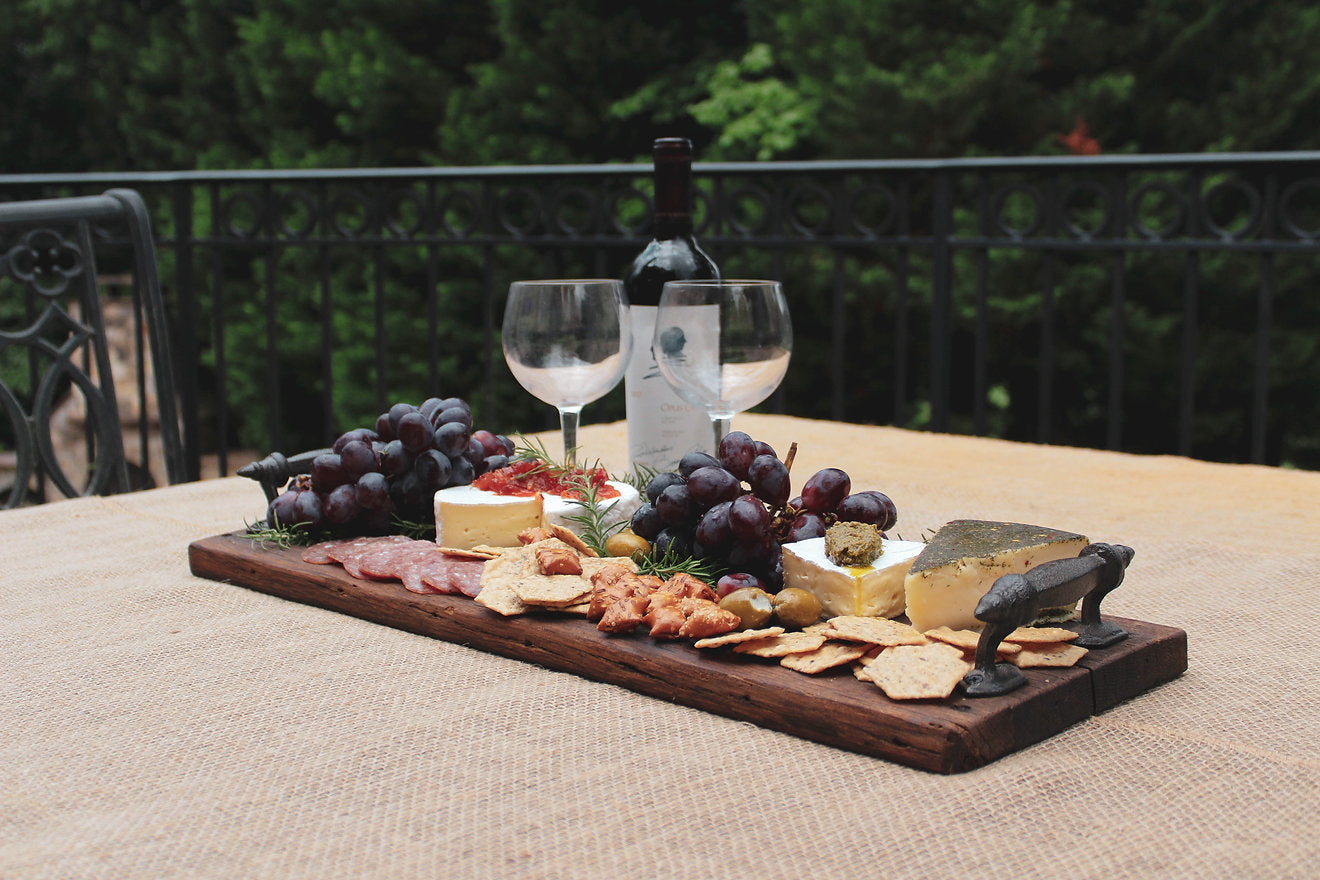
[[964, 559]]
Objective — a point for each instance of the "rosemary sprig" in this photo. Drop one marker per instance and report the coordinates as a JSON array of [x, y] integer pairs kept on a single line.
[[671, 563], [263, 534], [418, 530], [591, 521]]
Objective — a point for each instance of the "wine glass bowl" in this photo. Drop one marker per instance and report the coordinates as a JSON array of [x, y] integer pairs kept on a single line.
[[723, 345], [568, 343]]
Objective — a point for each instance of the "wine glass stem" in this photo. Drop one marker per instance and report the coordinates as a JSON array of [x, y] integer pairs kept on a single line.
[[722, 425], [568, 423]]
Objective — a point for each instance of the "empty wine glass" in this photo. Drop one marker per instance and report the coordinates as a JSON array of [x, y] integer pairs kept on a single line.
[[568, 343], [723, 345]]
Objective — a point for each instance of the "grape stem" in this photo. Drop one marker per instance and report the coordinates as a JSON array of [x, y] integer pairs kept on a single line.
[[792, 454]]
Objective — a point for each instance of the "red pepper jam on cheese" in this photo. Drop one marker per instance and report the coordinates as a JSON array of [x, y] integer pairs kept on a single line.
[[531, 477]]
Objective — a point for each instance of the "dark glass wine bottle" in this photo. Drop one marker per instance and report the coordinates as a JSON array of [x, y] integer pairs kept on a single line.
[[662, 427]]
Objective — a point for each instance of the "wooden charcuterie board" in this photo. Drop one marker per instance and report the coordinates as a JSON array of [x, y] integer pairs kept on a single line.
[[947, 736]]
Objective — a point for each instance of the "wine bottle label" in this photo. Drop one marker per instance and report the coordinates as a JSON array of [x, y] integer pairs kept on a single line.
[[662, 427]]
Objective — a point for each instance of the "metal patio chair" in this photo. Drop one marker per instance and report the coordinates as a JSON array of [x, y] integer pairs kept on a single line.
[[89, 405]]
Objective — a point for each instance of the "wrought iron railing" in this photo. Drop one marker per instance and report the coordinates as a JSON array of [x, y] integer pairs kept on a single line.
[[1144, 303]]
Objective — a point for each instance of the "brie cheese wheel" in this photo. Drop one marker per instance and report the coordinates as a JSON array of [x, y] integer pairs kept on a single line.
[[466, 516], [560, 511], [874, 590], [965, 558]]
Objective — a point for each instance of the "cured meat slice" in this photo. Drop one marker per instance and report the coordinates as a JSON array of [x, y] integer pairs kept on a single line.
[[350, 555], [319, 554], [402, 561], [455, 575]]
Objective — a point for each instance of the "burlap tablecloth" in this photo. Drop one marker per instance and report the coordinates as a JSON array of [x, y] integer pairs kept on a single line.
[[160, 725]]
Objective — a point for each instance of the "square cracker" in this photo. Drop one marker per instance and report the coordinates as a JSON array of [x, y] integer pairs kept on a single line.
[[874, 630], [781, 645], [551, 590], [1040, 635], [496, 576], [918, 672], [827, 656], [733, 638], [1053, 654]]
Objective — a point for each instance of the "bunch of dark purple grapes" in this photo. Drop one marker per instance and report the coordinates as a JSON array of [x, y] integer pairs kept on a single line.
[[736, 510], [370, 477]]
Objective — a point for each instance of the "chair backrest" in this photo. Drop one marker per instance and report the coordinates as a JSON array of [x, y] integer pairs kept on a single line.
[[63, 388]]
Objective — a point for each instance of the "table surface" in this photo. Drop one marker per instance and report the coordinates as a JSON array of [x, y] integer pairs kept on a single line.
[[162, 725]]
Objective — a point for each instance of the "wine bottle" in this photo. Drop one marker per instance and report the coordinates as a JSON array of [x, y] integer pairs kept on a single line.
[[662, 427]]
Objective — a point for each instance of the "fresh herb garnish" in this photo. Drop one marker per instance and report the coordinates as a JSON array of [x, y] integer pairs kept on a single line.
[[263, 534]]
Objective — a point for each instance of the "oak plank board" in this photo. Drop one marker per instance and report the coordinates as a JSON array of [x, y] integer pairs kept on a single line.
[[834, 708]]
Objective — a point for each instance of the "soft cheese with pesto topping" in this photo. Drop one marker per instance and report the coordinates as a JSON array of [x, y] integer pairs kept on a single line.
[[466, 516], [874, 590], [965, 558]]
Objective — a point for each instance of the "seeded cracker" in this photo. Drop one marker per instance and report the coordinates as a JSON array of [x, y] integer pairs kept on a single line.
[[827, 656], [781, 645], [919, 672], [1056, 654], [551, 590], [474, 553], [570, 538], [733, 638], [495, 578], [875, 631], [967, 639], [1040, 635]]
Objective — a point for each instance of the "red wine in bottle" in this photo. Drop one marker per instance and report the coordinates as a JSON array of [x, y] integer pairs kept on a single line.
[[662, 427]]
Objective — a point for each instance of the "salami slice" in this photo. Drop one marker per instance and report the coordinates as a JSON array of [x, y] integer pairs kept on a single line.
[[350, 555], [319, 554], [466, 576]]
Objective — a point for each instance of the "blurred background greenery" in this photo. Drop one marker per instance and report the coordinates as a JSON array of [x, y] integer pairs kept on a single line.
[[138, 85]]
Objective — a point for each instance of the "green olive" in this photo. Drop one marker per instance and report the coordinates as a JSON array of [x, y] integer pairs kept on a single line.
[[796, 608], [626, 543], [753, 607]]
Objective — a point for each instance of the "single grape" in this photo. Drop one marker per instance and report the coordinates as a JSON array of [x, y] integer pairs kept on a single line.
[[357, 458], [860, 507], [673, 540], [737, 450], [693, 460], [750, 556], [328, 472], [307, 508], [890, 510], [748, 518], [708, 486], [674, 504], [737, 580], [396, 414], [646, 522], [279, 514], [768, 477], [366, 435], [489, 442], [509, 446], [432, 469], [475, 452], [713, 532], [341, 505], [807, 525], [395, 460], [379, 521], [383, 429], [495, 462], [763, 448], [452, 414], [462, 472], [452, 438], [414, 432], [660, 482], [825, 489], [373, 491]]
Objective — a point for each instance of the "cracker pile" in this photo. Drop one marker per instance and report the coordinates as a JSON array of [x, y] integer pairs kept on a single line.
[[904, 663]]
